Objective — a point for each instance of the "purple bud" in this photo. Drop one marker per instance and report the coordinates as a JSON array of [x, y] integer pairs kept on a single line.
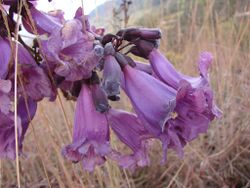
[[109, 49], [143, 48], [121, 59], [111, 76], [99, 95], [142, 33]]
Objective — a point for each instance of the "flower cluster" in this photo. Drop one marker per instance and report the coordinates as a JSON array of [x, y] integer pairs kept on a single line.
[[91, 67]]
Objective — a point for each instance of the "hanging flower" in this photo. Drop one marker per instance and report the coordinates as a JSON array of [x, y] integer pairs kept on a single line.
[[133, 134], [166, 72], [90, 135]]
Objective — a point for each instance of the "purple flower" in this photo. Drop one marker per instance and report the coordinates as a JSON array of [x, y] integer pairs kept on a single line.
[[7, 135], [131, 132], [166, 72], [7, 127], [34, 79], [189, 118], [70, 52], [91, 133], [194, 101], [153, 101], [26, 110], [44, 22]]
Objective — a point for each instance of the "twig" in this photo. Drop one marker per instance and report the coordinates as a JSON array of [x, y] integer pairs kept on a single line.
[[15, 95]]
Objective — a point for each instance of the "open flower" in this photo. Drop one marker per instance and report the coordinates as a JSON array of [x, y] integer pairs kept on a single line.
[[153, 101], [133, 134], [166, 72], [189, 119], [71, 52], [90, 135]]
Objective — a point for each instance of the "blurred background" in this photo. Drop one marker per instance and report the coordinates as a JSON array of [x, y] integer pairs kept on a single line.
[[220, 158]]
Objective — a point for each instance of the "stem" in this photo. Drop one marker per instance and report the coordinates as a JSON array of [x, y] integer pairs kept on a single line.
[[15, 96], [130, 43]]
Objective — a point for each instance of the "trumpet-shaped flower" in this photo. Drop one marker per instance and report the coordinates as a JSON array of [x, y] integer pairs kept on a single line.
[[133, 134], [166, 72], [90, 135], [153, 101], [189, 119]]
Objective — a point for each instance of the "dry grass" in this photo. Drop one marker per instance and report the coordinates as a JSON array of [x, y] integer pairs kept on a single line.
[[220, 158]]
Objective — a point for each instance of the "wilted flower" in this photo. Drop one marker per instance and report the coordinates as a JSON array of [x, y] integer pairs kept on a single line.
[[91, 133]]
